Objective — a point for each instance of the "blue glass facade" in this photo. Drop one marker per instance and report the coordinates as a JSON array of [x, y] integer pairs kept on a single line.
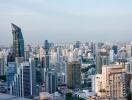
[[18, 41]]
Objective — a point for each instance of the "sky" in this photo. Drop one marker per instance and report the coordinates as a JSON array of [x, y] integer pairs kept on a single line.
[[66, 20]]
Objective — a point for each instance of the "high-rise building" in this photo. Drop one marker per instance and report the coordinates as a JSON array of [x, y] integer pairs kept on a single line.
[[18, 41], [111, 56], [46, 44], [102, 58], [129, 50], [10, 58], [77, 44], [24, 83], [115, 48], [73, 74], [20, 86], [98, 63], [113, 83], [128, 66], [2, 64], [39, 71], [93, 49], [46, 48], [27, 52], [46, 62], [51, 81], [33, 76], [11, 71], [25, 77]]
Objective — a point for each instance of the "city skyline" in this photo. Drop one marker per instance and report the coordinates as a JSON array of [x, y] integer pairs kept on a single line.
[[67, 21], [65, 50]]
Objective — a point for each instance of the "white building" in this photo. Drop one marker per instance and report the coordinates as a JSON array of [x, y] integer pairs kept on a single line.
[[111, 56], [3, 62], [129, 50]]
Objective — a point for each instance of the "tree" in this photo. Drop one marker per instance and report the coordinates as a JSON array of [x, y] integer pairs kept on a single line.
[[69, 96], [89, 67], [78, 98], [128, 96], [3, 77]]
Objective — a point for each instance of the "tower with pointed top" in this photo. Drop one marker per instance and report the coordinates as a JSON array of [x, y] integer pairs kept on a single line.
[[18, 41]]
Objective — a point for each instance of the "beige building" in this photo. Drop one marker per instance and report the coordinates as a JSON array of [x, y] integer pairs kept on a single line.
[[73, 74], [113, 83]]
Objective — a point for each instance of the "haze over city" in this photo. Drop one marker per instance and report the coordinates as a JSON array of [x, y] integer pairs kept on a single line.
[[67, 20], [65, 50]]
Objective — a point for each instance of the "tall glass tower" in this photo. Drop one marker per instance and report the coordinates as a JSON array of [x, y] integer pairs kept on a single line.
[[18, 41]]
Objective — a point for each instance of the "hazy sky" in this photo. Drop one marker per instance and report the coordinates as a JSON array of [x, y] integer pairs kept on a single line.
[[67, 20]]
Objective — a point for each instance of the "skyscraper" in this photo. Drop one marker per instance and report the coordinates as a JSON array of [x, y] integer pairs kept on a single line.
[[73, 74], [11, 71], [46, 48], [18, 41], [47, 75], [51, 81], [46, 44], [24, 84]]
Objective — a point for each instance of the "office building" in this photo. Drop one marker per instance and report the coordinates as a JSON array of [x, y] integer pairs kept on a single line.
[[24, 83], [11, 71], [39, 70], [33, 77], [18, 41], [51, 81], [73, 75], [46, 48]]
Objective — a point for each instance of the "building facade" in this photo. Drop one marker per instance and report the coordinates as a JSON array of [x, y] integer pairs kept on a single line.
[[73, 74], [113, 83], [18, 41], [24, 81]]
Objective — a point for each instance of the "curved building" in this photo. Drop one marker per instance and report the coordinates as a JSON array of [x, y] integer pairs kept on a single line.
[[18, 41]]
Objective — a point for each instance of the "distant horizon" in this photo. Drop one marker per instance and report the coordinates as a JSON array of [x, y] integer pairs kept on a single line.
[[41, 43]]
